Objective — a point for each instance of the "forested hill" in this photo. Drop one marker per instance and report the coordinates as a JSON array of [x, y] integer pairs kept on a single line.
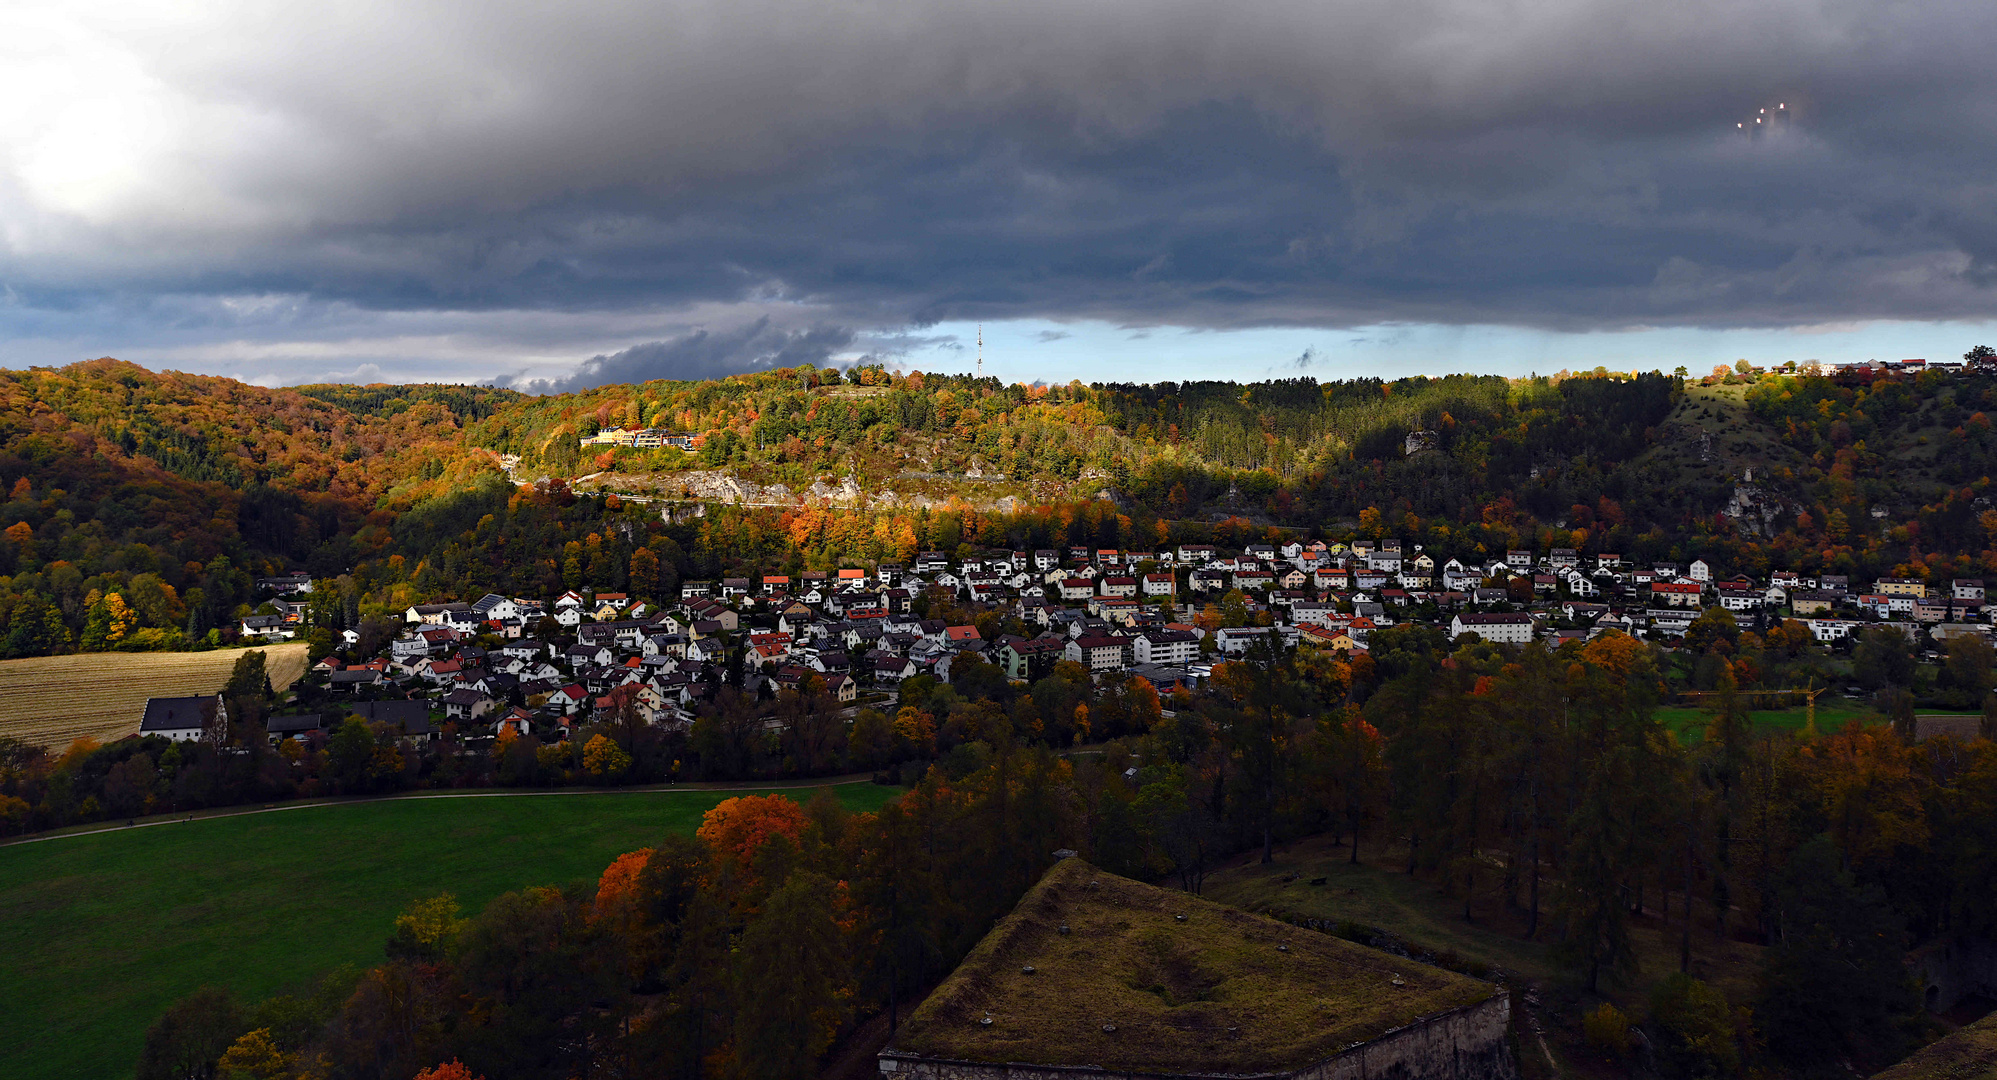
[[1293, 451], [139, 505], [173, 490], [1746, 469]]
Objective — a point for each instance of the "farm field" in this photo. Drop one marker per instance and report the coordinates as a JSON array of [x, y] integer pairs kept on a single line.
[[102, 932], [53, 700]]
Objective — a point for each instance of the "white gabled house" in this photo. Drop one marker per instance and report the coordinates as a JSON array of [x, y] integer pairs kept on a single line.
[[185, 719]]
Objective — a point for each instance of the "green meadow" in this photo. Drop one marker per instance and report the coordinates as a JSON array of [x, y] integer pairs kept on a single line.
[[1690, 722], [99, 933]]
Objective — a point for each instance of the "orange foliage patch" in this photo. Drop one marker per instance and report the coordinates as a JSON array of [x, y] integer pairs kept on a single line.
[[449, 1070], [739, 827], [620, 880]]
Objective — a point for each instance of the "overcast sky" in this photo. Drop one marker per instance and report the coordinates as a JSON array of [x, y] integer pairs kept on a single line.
[[555, 195]]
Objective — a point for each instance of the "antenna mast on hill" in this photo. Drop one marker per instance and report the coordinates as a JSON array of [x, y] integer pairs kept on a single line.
[[981, 350]]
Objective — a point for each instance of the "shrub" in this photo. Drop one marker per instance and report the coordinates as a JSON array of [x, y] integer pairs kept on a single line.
[[1606, 1030], [1695, 1028]]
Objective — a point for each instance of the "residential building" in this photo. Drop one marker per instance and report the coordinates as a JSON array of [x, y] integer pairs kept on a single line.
[[1031, 659], [1676, 594], [1099, 652], [186, 719], [1165, 646], [1504, 629]]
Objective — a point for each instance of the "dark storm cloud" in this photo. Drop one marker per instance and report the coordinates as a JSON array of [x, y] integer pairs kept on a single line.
[[1563, 165], [701, 354]]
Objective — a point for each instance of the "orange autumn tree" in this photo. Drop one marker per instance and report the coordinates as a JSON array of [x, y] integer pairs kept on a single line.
[[1870, 798], [619, 883], [449, 1070], [1145, 708], [738, 828]]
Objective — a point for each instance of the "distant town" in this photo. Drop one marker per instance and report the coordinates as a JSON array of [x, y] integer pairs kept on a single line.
[[519, 665]]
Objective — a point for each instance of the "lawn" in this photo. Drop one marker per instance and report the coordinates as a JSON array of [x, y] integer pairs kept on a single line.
[[102, 932], [1689, 721]]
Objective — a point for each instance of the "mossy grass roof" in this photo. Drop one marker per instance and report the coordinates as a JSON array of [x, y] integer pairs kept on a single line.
[[1968, 1054], [1188, 986]]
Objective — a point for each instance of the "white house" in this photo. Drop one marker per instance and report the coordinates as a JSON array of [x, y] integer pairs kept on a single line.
[[496, 607], [266, 627], [1097, 652], [1507, 629], [1830, 629], [1166, 647], [412, 647], [1235, 640], [185, 719], [569, 700]]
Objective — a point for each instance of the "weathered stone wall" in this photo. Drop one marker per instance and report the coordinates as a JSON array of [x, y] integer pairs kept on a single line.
[[1951, 970], [1463, 1044], [1466, 1044]]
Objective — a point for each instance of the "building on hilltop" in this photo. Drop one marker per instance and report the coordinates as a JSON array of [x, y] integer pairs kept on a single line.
[[1094, 973]]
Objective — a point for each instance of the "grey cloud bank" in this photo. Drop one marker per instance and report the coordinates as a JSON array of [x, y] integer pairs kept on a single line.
[[687, 189], [700, 354]]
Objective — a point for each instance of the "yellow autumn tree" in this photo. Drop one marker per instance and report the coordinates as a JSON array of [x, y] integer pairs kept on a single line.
[[110, 621], [256, 1054], [426, 926], [917, 727], [604, 759]]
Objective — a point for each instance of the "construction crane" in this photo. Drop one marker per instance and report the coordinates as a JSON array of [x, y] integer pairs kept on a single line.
[[1809, 700]]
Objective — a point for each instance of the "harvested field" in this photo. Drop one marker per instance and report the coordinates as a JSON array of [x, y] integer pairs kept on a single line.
[[51, 700]]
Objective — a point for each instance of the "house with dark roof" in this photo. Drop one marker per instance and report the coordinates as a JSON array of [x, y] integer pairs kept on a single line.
[[268, 627], [408, 720], [299, 726], [1031, 659], [1099, 652], [353, 679], [466, 703], [185, 719], [892, 668]]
